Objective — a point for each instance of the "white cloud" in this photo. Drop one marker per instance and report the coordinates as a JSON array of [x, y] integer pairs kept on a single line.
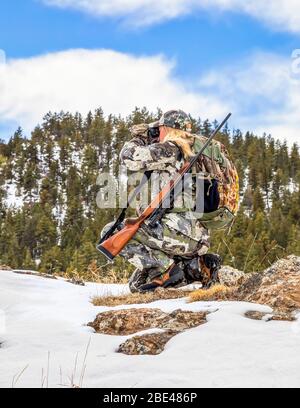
[[82, 80], [260, 91], [137, 12], [279, 14]]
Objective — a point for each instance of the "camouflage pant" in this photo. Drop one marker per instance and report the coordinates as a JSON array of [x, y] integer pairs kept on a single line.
[[154, 249]]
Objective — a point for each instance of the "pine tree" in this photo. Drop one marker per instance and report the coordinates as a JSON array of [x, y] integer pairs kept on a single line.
[[54, 172]]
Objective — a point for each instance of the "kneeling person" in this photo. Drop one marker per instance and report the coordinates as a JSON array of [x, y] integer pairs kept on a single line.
[[174, 253]]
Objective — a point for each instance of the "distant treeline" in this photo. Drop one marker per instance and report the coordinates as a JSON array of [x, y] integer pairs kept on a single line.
[[52, 177]]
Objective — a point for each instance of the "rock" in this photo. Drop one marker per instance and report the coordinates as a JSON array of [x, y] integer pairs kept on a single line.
[[283, 316], [152, 344], [254, 315], [76, 281], [278, 287], [229, 276], [130, 321], [181, 320]]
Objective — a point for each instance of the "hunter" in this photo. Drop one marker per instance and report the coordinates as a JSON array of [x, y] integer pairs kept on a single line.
[[175, 252]]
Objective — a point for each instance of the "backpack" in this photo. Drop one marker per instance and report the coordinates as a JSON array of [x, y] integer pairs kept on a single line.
[[221, 180], [221, 185]]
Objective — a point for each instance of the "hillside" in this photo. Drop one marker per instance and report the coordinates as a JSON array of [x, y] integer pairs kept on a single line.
[[48, 188], [51, 335]]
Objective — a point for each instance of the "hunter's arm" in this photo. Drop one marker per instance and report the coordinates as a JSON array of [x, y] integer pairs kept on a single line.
[[137, 155]]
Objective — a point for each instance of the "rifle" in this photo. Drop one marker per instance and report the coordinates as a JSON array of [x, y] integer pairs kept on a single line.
[[111, 244]]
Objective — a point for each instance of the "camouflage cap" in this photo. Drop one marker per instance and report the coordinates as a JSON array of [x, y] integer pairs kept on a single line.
[[176, 119]]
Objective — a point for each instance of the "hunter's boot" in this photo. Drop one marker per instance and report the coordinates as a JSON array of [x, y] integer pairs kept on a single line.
[[137, 279], [171, 278], [210, 264], [140, 277]]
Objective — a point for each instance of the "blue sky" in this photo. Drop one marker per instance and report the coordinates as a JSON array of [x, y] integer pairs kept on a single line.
[[28, 28], [203, 46]]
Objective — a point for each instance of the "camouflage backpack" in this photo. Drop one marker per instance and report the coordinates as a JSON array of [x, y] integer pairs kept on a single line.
[[222, 181], [218, 170]]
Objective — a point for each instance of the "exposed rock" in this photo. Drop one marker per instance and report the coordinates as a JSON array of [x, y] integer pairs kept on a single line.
[[152, 344], [231, 277], [76, 281], [254, 315], [130, 321], [181, 320], [284, 316], [278, 287]]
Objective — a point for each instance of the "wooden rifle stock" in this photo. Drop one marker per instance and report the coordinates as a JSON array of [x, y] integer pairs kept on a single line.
[[113, 245]]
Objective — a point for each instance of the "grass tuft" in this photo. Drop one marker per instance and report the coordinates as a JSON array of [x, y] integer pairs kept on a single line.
[[217, 292], [139, 298]]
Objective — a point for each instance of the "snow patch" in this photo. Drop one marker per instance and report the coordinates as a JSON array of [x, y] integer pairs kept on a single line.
[[47, 318]]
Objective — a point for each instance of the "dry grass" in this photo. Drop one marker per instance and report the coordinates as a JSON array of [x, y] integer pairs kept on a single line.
[[5, 268], [217, 292], [139, 298], [96, 274], [16, 377]]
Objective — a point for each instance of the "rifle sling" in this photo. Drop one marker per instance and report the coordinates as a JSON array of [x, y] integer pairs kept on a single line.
[[122, 215]]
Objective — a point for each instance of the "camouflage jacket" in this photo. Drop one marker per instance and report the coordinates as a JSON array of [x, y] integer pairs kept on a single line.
[[138, 155], [164, 159]]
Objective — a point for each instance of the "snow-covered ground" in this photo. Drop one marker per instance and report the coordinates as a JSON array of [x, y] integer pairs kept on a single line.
[[44, 342]]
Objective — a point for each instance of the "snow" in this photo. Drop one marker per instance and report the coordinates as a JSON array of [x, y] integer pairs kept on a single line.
[[293, 187], [42, 330], [12, 197]]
